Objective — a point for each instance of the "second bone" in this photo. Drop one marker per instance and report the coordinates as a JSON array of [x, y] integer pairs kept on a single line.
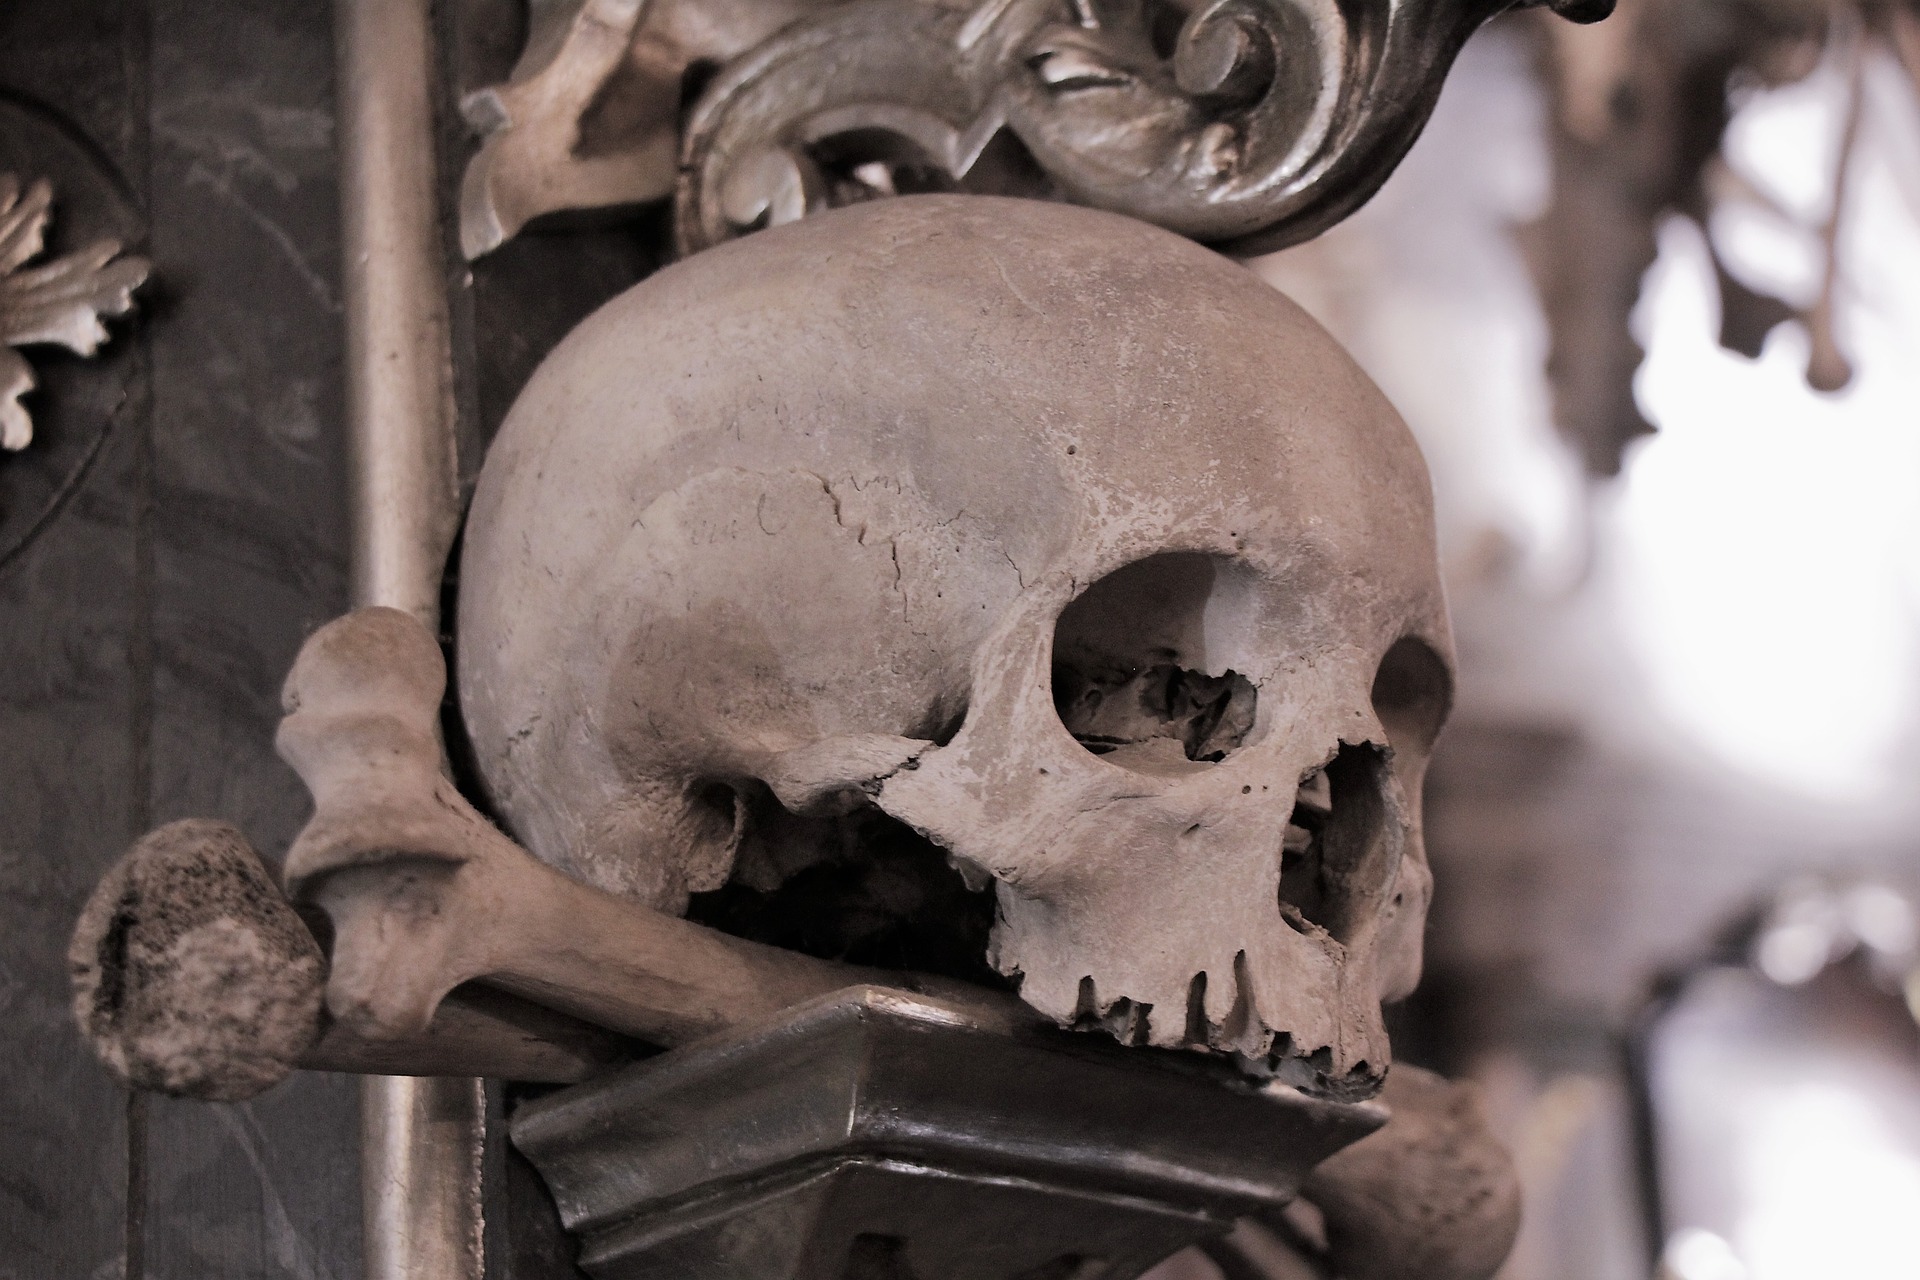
[[425, 894]]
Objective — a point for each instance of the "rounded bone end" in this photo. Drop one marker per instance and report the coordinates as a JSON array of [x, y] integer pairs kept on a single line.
[[191, 974], [1431, 1196], [373, 661]]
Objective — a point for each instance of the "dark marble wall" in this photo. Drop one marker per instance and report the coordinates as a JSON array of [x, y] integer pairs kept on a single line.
[[172, 534], [176, 529]]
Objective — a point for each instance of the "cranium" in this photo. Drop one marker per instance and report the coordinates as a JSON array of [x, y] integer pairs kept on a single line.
[[1062, 541]]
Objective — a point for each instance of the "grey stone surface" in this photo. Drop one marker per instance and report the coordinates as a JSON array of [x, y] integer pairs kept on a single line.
[[71, 780], [176, 530], [249, 537], [68, 769], [187, 529]]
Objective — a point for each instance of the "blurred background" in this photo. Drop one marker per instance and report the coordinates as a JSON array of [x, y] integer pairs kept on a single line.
[[1649, 294]]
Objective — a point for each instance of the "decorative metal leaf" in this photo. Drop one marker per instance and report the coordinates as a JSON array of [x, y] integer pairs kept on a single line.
[[58, 303]]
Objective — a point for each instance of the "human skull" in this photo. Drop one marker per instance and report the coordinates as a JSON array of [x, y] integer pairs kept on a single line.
[[1061, 540]]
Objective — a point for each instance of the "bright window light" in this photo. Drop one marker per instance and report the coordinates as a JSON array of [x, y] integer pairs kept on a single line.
[[1829, 1190], [1768, 566], [1787, 1128]]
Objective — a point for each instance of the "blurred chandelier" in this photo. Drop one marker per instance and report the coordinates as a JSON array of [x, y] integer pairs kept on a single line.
[[1779, 1081]]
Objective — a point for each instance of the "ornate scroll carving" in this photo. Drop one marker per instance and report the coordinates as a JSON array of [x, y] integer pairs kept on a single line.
[[1250, 124], [589, 119], [58, 302]]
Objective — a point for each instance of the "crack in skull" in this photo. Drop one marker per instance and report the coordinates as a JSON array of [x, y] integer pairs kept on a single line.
[[1132, 615]]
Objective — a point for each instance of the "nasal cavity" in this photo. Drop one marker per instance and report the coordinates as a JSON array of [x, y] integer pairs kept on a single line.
[[1141, 663], [1338, 848]]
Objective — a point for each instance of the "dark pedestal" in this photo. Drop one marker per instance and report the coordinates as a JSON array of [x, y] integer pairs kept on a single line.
[[876, 1135]]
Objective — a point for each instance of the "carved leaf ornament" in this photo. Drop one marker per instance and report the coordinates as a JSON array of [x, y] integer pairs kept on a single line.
[[58, 302], [1246, 124]]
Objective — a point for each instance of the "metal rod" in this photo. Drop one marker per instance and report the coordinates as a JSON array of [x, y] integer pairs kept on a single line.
[[421, 1139], [420, 1153], [399, 359]]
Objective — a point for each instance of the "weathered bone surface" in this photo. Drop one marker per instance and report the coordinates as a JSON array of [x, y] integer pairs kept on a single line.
[[193, 976], [1432, 1196], [425, 895], [856, 511]]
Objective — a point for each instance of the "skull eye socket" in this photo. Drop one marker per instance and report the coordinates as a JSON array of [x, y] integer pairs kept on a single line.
[[1412, 693], [1138, 667]]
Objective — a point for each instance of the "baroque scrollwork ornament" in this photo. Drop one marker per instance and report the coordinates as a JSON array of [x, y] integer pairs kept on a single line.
[[589, 117], [59, 302], [1246, 124]]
